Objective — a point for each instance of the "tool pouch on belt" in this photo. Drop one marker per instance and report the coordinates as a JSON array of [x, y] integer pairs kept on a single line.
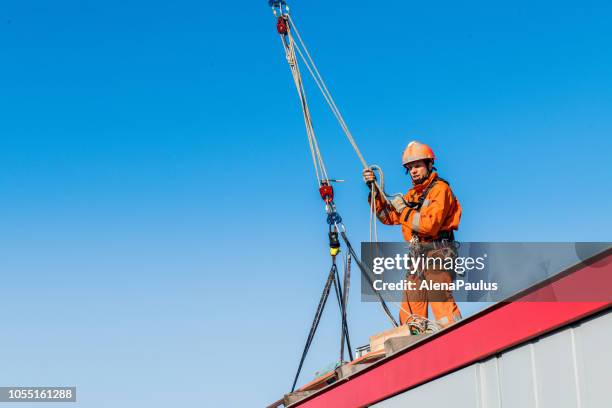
[[443, 249]]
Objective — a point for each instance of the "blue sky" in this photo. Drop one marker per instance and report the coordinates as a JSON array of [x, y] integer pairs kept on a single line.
[[162, 242]]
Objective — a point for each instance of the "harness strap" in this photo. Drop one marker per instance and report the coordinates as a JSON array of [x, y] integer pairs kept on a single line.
[[416, 206]]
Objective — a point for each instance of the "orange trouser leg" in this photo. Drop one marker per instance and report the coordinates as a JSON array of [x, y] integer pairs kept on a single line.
[[414, 303], [442, 302]]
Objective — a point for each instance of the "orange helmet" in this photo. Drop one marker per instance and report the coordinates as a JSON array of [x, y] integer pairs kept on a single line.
[[417, 151]]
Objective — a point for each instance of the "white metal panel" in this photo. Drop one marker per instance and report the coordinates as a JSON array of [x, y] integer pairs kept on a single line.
[[489, 384], [444, 392], [516, 377], [555, 371], [594, 354], [571, 368]]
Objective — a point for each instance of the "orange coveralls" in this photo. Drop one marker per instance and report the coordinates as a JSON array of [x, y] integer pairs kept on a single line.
[[440, 212]]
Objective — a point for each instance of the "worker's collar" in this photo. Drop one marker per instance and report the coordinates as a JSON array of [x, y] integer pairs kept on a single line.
[[427, 182]]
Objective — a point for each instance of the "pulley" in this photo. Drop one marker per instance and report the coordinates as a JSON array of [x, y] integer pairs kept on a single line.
[[281, 25], [326, 191]]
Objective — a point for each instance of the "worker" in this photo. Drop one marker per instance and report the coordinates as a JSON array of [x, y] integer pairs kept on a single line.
[[428, 214]]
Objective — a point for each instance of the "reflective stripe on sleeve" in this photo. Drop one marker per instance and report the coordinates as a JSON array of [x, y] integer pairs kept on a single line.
[[416, 221], [383, 215]]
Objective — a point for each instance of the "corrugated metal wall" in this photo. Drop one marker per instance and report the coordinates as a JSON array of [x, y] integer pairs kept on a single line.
[[571, 368]]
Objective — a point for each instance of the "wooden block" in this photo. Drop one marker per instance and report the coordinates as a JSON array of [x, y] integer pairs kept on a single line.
[[377, 341], [394, 344]]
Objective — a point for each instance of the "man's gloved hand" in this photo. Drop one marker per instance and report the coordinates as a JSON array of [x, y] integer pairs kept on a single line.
[[398, 203], [368, 176]]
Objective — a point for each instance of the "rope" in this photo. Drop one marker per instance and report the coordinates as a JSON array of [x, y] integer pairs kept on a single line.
[[316, 75], [381, 184], [290, 49], [366, 274], [315, 152], [373, 211], [422, 323], [328, 97]]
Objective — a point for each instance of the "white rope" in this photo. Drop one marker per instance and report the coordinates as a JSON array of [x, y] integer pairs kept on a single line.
[[298, 77], [372, 205], [290, 48], [329, 99], [318, 78], [306, 112], [373, 212], [317, 157], [421, 322]]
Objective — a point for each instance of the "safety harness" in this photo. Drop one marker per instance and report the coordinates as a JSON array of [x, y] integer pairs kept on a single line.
[[417, 205]]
